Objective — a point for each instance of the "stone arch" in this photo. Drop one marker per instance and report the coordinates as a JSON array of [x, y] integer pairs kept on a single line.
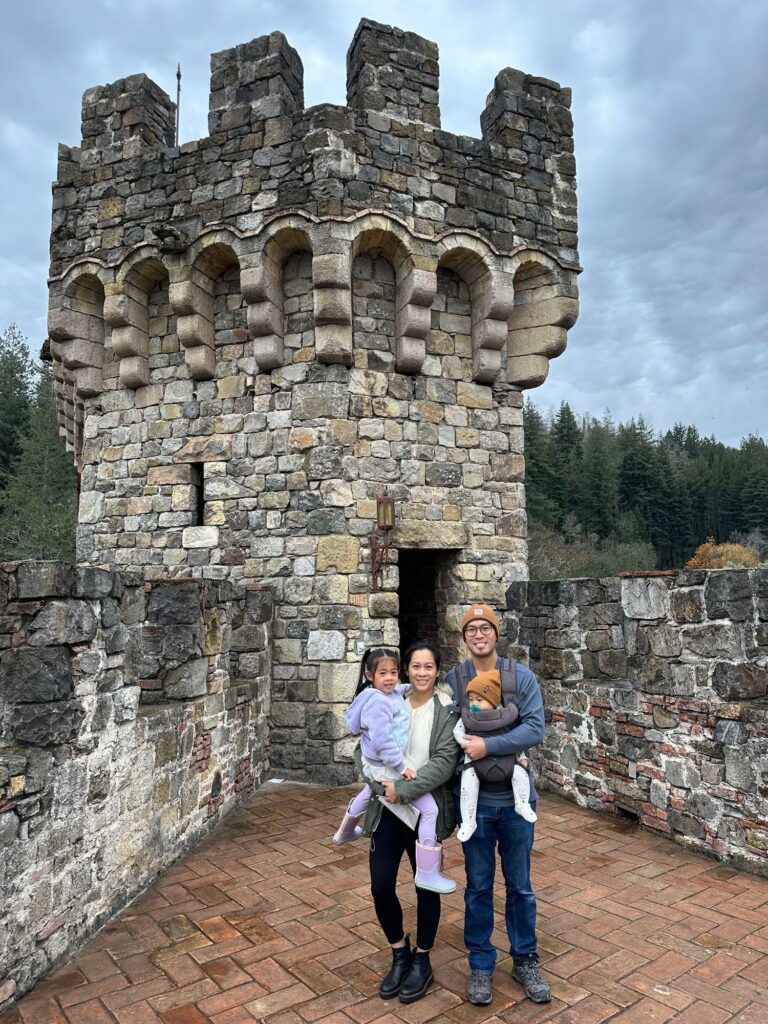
[[545, 306], [261, 281], [76, 330], [126, 310], [415, 282], [191, 295], [491, 299]]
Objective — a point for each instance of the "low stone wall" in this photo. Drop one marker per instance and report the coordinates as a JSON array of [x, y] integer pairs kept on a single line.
[[132, 716], [656, 691]]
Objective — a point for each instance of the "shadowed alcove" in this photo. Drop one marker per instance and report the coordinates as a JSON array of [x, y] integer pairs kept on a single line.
[[425, 590]]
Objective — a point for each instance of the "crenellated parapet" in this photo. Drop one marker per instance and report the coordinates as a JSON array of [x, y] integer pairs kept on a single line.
[[273, 179], [126, 118], [394, 73], [255, 82]]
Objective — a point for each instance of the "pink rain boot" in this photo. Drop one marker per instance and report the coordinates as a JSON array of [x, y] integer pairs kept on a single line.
[[348, 831], [428, 870]]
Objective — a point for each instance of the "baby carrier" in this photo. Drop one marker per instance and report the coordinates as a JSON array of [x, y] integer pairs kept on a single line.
[[493, 773]]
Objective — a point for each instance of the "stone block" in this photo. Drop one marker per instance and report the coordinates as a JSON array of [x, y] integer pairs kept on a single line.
[[63, 622], [760, 577], [337, 683], [90, 507], [187, 681], [737, 682], [44, 579], [712, 640], [664, 641], [200, 537], [259, 604], [288, 716], [474, 396], [324, 462], [162, 475], [213, 448], [686, 605], [645, 598], [171, 603], [92, 582], [382, 606], [440, 536], [728, 595], [47, 725], [739, 771], [663, 719], [443, 474], [657, 675], [340, 553], [326, 645], [36, 675], [322, 400]]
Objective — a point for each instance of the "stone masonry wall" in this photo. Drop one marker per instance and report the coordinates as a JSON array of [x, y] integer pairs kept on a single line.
[[256, 333], [132, 716], [656, 692]]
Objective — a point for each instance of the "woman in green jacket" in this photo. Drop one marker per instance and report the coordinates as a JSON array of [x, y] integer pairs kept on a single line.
[[434, 753]]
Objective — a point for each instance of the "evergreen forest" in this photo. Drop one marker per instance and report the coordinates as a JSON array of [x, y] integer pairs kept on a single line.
[[602, 497], [38, 487]]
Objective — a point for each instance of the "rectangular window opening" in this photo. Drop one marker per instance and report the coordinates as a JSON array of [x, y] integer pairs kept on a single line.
[[198, 493]]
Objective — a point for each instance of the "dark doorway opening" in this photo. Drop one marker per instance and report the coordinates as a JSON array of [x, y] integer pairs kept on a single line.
[[418, 597], [426, 588]]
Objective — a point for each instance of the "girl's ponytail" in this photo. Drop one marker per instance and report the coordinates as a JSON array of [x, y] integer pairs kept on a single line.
[[362, 682]]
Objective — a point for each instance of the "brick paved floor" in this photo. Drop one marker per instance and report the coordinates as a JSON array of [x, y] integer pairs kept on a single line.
[[268, 921]]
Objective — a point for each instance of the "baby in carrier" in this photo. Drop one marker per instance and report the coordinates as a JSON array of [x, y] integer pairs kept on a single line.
[[483, 715]]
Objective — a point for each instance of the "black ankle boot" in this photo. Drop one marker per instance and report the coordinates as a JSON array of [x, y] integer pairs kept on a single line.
[[418, 979], [401, 961]]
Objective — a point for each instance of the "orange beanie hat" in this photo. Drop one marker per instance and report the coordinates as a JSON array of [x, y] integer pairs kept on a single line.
[[480, 611], [487, 685]]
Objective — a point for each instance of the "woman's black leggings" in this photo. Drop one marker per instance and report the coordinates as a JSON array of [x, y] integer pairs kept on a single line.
[[391, 839]]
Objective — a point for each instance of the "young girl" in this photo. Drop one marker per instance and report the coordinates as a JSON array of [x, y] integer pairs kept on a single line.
[[484, 714], [378, 714]]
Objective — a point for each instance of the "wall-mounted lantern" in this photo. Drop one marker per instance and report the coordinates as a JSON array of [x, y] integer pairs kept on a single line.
[[380, 537]]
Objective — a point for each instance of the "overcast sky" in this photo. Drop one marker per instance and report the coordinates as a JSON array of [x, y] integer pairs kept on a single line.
[[671, 117]]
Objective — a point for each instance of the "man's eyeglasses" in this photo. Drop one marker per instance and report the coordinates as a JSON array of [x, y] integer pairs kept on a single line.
[[484, 630]]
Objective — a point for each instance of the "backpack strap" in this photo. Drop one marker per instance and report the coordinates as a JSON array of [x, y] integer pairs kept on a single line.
[[508, 673], [461, 675]]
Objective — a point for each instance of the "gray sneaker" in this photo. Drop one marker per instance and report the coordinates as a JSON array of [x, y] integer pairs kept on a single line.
[[528, 974], [479, 989]]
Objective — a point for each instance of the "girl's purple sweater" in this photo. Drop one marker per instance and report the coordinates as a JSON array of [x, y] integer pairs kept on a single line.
[[382, 721]]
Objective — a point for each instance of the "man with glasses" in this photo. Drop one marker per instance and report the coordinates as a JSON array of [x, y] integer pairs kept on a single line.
[[497, 822]]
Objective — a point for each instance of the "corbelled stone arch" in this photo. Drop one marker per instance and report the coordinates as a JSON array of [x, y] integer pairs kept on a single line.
[[415, 281], [261, 279], [191, 293], [76, 330], [491, 299], [126, 310], [546, 305]]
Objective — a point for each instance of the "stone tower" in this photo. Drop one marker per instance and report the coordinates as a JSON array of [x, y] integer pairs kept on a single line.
[[256, 333]]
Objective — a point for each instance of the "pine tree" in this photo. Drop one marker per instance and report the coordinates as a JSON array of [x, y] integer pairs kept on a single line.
[[599, 511], [15, 395], [567, 456], [40, 497], [539, 476], [753, 484], [637, 474]]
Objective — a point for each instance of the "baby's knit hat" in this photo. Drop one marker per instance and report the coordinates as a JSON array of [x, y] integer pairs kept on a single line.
[[486, 685]]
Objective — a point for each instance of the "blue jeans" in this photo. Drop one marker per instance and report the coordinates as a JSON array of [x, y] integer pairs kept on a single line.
[[502, 827]]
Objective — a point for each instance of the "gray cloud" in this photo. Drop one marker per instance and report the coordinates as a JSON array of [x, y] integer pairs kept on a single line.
[[671, 147]]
